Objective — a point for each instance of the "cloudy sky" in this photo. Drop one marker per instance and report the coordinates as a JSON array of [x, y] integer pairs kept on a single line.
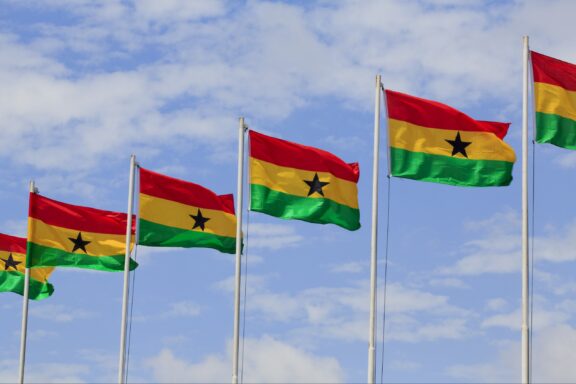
[[85, 83]]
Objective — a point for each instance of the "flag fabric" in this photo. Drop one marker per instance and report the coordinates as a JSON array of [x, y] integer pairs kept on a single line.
[[294, 181], [177, 213], [12, 266], [66, 235], [555, 100], [430, 141]]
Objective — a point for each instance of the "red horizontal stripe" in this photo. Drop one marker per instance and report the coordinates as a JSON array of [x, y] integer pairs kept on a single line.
[[76, 217], [169, 188], [549, 70], [432, 114], [292, 155], [12, 244]]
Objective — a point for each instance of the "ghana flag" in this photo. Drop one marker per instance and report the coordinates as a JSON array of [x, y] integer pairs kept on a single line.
[[12, 266], [294, 181], [430, 141], [66, 235], [177, 213], [555, 100]]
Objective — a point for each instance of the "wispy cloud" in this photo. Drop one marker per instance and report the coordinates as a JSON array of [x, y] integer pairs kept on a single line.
[[342, 312], [351, 267], [551, 362], [184, 309], [96, 113], [497, 247], [59, 313], [266, 360], [273, 236], [45, 373]]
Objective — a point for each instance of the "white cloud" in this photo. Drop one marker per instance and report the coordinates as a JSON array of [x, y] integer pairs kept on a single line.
[[557, 246], [496, 304], [409, 329], [448, 283], [266, 360], [44, 373], [350, 143], [170, 369], [183, 309], [273, 236], [342, 312], [38, 334], [404, 365], [351, 267], [566, 160], [103, 364], [255, 283], [175, 340], [543, 317], [495, 250], [553, 356], [58, 313], [227, 65], [497, 247], [179, 309], [507, 320], [168, 11], [507, 370]]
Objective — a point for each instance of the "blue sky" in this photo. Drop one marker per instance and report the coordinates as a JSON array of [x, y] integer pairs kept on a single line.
[[86, 83]]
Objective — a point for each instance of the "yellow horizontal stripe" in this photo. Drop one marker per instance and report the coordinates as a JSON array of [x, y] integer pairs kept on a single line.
[[291, 181], [101, 244], [415, 138], [555, 100], [177, 215], [40, 274]]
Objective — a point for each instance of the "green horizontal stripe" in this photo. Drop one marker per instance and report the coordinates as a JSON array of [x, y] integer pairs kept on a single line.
[[41, 256], [449, 170], [556, 130], [13, 281], [285, 206], [158, 235]]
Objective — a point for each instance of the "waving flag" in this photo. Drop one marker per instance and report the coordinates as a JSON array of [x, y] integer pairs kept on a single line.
[[66, 235], [294, 181], [12, 265], [430, 141], [177, 213], [555, 100]]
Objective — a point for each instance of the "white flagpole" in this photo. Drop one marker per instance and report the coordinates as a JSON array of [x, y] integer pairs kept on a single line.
[[525, 260], [122, 365], [239, 203], [26, 295], [374, 241]]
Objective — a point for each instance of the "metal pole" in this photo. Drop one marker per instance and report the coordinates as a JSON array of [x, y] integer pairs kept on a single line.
[[374, 240], [25, 307], [239, 204], [121, 367], [525, 260]]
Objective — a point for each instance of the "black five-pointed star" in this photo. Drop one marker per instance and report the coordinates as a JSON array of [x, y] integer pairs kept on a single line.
[[10, 262], [79, 243], [316, 185], [459, 146], [199, 220]]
